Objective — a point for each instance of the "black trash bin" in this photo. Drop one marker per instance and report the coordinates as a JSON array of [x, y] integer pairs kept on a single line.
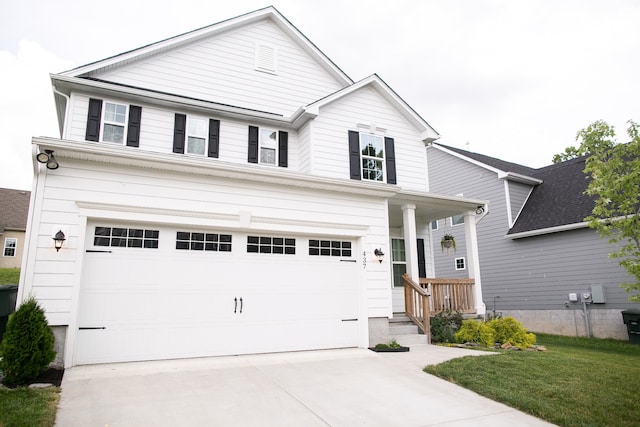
[[8, 295], [631, 318]]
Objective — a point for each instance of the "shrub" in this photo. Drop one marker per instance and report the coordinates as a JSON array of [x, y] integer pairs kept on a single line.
[[509, 330], [444, 325], [474, 331], [27, 345]]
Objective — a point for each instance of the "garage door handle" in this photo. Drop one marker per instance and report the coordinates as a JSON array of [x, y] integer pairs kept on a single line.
[[241, 305], [235, 307]]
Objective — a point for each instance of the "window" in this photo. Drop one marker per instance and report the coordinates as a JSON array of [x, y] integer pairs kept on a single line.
[[271, 245], [268, 146], [372, 151], [196, 135], [203, 241], [10, 245], [460, 264], [329, 248], [113, 122], [107, 121], [434, 225], [457, 220], [126, 237], [398, 261]]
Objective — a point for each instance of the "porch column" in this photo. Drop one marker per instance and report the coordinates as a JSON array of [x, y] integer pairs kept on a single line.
[[473, 260], [410, 240]]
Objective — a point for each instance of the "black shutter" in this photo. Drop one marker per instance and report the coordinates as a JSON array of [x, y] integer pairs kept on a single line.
[[94, 116], [253, 144], [283, 149], [179, 129], [422, 265], [133, 129], [390, 159], [354, 155], [214, 138]]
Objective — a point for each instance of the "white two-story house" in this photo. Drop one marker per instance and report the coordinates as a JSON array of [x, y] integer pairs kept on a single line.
[[229, 191]]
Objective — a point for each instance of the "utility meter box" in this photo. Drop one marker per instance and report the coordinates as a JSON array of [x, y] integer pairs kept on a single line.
[[587, 297]]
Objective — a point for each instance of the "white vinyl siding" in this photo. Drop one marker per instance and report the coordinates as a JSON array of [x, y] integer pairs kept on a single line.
[[222, 69], [330, 137]]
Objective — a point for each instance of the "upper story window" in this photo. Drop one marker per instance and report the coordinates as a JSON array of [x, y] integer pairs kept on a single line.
[[372, 150], [109, 121], [457, 220], [268, 146], [114, 122], [196, 135], [10, 245], [372, 157]]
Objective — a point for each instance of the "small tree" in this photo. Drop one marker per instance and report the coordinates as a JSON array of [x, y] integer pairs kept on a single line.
[[27, 345]]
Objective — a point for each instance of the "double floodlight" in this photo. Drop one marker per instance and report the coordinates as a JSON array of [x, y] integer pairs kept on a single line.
[[47, 158]]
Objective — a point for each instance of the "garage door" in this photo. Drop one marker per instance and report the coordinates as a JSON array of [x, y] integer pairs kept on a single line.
[[151, 292]]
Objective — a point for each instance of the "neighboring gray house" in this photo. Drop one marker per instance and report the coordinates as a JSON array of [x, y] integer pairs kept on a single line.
[[14, 209], [538, 257]]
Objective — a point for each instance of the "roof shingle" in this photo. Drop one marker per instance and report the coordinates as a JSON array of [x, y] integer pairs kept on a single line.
[[14, 209]]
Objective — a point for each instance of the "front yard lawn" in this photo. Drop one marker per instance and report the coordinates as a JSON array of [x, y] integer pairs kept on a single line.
[[577, 382], [25, 407], [9, 276]]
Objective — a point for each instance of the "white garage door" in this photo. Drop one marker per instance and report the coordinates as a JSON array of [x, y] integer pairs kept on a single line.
[[151, 292]]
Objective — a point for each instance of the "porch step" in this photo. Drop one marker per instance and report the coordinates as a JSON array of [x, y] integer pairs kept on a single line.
[[402, 325], [411, 339]]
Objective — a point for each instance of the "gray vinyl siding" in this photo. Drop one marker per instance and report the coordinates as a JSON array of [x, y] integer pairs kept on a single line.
[[518, 193], [533, 273]]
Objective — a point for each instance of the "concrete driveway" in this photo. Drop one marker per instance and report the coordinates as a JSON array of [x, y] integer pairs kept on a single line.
[[348, 387]]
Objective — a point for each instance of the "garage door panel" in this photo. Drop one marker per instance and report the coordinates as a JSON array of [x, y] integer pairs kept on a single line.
[[166, 303]]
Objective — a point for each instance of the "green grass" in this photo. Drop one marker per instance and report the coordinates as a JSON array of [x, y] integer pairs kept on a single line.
[[9, 276], [28, 407], [577, 382]]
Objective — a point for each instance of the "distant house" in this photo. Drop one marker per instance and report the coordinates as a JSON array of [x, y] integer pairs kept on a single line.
[[14, 209], [539, 260], [228, 191]]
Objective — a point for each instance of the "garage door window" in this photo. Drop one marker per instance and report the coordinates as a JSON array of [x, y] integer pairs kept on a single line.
[[329, 248], [271, 245], [203, 241], [126, 237]]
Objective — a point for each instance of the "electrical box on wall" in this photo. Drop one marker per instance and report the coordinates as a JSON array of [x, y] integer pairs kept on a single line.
[[597, 294], [586, 297], [573, 297]]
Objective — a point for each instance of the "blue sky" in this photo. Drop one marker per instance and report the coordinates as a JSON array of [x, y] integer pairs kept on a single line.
[[511, 79]]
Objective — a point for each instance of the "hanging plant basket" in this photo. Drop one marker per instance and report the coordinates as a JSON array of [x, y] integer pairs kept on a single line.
[[448, 242]]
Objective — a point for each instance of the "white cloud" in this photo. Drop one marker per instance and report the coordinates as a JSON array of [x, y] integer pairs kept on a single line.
[[27, 109]]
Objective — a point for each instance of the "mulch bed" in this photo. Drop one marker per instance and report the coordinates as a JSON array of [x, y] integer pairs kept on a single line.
[[50, 376]]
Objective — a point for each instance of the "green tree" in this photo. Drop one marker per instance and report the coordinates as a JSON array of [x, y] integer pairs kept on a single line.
[[614, 173]]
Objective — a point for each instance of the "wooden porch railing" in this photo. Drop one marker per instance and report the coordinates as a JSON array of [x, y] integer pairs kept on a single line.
[[450, 294], [416, 304]]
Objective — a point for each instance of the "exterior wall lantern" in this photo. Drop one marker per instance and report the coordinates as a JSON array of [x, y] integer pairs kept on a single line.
[[58, 239], [379, 254], [47, 158]]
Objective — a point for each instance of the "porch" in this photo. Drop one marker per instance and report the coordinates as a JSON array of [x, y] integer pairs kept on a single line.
[[431, 296]]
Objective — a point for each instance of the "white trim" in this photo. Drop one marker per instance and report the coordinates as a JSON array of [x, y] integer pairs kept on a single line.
[[507, 196], [548, 230]]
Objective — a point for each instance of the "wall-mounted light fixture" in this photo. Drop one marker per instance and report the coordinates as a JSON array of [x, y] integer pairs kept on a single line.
[[479, 210], [379, 254], [58, 239], [47, 158]]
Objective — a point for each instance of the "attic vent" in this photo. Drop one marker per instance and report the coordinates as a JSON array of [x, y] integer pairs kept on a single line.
[[266, 58]]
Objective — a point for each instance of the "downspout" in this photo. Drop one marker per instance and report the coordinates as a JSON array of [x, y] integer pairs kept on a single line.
[[66, 110]]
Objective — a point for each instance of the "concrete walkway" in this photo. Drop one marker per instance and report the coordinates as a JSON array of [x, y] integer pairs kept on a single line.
[[346, 387]]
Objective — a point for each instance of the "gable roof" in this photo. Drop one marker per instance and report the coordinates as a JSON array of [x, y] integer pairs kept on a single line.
[[165, 45], [14, 209], [428, 133], [557, 201]]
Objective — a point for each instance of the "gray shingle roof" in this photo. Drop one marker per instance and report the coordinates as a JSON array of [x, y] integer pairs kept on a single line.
[[559, 200], [14, 209]]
